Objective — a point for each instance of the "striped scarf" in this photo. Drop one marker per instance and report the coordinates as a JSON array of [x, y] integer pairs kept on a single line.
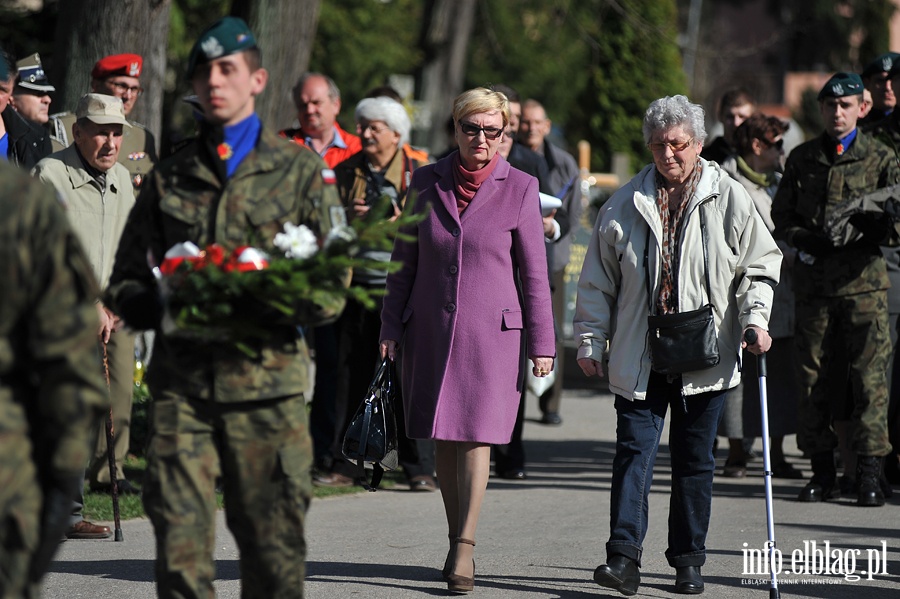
[[672, 219]]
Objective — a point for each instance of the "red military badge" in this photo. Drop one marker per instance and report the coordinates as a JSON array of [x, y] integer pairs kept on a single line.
[[328, 176], [224, 151]]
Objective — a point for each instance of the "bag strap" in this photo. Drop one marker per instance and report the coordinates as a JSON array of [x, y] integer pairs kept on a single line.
[[703, 235]]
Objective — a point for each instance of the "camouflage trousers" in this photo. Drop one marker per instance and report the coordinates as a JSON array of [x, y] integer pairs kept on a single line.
[[20, 506], [855, 327], [263, 453]]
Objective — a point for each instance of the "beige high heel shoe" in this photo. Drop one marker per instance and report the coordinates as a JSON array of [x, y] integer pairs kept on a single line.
[[462, 584]]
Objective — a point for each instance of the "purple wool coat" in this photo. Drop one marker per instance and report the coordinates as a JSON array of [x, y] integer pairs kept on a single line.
[[459, 310]]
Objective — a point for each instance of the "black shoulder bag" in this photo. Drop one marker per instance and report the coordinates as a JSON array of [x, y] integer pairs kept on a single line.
[[372, 434], [684, 341]]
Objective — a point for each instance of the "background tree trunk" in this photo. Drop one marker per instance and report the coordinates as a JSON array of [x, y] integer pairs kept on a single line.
[[88, 30], [285, 31], [448, 27]]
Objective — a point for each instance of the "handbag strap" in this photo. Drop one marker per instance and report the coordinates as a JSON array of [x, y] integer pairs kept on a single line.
[[703, 236]]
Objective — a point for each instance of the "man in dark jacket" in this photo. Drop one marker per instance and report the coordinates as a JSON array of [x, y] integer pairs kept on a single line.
[[22, 143]]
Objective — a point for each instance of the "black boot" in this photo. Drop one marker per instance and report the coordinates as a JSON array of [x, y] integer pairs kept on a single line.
[[823, 484], [868, 473], [619, 573]]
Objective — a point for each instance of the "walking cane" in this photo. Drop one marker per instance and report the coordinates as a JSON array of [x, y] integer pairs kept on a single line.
[[750, 337], [111, 456]]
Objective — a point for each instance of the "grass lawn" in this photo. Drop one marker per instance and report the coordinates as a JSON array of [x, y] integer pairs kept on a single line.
[[98, 506]]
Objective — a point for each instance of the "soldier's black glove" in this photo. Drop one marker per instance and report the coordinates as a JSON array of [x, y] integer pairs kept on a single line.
[[141, 310], [812, 244], [874, 229]]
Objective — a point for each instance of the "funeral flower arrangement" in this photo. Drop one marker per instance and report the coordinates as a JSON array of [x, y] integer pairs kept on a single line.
[[212, 295]]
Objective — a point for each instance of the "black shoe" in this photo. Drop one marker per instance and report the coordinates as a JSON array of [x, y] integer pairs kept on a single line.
[[513, 474], [552, 418], [817, 490], [688, 580], [619, 573], [868, 476]]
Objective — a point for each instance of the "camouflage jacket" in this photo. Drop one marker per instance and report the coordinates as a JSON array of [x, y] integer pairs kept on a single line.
[[816, 183], [50, 370], [184, 200]]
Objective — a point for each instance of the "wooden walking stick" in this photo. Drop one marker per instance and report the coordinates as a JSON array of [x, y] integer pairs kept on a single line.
[[111, 456]]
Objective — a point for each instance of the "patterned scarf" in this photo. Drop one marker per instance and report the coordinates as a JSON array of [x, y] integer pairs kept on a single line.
[[672, 219]]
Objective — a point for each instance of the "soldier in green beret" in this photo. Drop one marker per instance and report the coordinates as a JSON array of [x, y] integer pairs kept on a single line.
[[52, 394], [840, 292], [876, 78], [217, 411]]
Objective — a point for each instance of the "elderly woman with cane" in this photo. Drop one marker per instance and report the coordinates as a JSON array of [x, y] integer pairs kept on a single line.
[[679, 265], [470, 302]]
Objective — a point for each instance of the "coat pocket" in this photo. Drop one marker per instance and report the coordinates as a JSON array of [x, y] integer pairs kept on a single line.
[[512, 319]]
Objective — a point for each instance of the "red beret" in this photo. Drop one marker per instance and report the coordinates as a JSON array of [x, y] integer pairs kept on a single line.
[[118, 64]]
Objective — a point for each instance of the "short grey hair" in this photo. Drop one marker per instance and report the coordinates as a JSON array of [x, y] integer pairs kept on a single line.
[[388, 110], [333, 91], [675, 111]]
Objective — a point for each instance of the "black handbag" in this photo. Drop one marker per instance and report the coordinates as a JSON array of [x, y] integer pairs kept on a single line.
[[684, 341], [372, 434]]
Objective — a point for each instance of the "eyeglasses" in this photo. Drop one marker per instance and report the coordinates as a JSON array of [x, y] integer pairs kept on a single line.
[[658, 147], [778, 144], [473, 131], [126, 89], [375, 130]]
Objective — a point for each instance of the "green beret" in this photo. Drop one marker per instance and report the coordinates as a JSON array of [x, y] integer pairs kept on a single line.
[[842, 84], [882, 64], [227, 36]]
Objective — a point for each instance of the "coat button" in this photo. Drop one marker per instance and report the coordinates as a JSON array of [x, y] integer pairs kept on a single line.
[[453, 270], [455, 232], [451, 307]]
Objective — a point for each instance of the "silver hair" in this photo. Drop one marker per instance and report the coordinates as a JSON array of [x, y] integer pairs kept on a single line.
[[674, 111], [388, 110], [333, 91]]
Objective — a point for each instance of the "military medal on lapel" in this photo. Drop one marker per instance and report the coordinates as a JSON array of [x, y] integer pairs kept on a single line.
[[137, 179], [224, 151]]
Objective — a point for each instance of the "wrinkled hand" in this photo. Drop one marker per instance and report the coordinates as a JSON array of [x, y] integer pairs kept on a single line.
[[550, 225], [542, 366], [812, 244], [763, 341], [107, 323], [388, 349], [590, 367], [359, 207]]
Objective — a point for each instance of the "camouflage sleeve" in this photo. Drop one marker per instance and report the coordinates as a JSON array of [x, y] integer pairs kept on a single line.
[[62, 339], [321, 210], [784, 203], [133, 293]]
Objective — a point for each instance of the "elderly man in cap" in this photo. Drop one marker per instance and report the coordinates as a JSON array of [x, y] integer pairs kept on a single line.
[[98, 198], [840, 292], [217, 411], [22, 142], [117, 75], [876, 79]]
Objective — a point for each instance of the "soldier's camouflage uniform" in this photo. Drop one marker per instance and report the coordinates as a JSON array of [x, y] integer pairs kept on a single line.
[[52, 394], [215, 411], [841, 298]]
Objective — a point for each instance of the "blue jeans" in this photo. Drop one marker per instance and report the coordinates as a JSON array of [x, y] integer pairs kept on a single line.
[[691, 435]]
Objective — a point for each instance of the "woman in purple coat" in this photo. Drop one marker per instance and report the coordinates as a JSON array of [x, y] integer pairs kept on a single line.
[[470, 302]]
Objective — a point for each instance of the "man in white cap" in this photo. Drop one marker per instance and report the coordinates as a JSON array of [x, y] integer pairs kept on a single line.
[[98, 195]]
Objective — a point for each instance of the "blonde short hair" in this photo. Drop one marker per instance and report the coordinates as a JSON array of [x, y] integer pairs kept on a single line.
[[478, 100]]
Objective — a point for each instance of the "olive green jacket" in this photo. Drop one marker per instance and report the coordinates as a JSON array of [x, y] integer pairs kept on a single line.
[[815, 184], [184, 200]]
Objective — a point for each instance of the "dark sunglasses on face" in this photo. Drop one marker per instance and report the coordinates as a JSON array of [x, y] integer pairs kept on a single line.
[[777, 144], [473, 131]]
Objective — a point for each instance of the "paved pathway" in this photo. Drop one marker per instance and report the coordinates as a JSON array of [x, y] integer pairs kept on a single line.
[[539, 538]]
